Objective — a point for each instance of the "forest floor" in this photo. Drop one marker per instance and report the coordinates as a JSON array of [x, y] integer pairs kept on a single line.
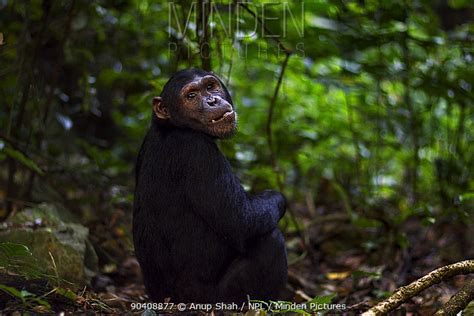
[[337, 264], [334, 265]]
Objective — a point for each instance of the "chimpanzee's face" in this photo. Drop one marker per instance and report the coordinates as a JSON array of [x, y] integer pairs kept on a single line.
[[201, 104], [204, 102]]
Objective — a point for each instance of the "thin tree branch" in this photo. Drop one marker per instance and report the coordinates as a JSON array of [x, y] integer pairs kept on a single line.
[[234, 7], [413, 118], [406, 292], [273, 161], [49, 99], [270, 119], [458, 301], [355, 141], [12, 166], [203, 33]]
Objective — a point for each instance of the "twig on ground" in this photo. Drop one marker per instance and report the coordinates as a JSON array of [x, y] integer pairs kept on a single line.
[[406, 292], [459, 300]]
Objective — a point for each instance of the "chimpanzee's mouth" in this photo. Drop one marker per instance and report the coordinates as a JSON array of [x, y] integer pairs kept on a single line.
[[223, 117]]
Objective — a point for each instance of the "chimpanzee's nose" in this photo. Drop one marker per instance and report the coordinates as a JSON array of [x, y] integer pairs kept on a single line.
[[211, 100]]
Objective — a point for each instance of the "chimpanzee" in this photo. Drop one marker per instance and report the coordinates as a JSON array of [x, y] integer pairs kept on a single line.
[[199, 237]]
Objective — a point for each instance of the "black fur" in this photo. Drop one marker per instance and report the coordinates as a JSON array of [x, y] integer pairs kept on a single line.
[[198, 236]]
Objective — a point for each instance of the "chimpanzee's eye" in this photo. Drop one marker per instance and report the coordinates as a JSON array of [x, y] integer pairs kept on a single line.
[[191, 95], [210, 86]]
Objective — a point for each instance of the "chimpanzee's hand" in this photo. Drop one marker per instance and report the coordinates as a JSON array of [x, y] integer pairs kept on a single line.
[[279, 199], [282, 204]]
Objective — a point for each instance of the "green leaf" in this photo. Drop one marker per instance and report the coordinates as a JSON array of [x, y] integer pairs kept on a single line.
[[18, 258], [459, 4], [12, 291], [298, 311], [362, 274], [25, 293], [382, 294], [21, 158], [10, 249], [402, 240], [316, 304], [66, 293], [40, 301], [363, 222], [466, 196], [428, 221], [274, 305], [326, 299]]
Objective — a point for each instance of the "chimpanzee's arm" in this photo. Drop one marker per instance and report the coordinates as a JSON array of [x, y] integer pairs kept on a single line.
[[218, 198], [270, 196], [139, 160]]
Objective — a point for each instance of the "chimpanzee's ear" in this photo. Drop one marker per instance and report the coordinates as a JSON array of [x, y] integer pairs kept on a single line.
[[159, 108]]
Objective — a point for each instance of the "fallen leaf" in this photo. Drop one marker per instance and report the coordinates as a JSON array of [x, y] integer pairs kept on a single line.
[[338, 275]]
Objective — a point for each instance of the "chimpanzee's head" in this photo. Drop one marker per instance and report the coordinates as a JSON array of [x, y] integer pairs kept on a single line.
[[198, 100]]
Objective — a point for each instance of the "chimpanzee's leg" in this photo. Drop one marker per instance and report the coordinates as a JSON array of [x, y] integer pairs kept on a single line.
[[261, 273]]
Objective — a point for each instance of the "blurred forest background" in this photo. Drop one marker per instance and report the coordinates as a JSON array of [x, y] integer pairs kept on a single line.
[[361, 112]]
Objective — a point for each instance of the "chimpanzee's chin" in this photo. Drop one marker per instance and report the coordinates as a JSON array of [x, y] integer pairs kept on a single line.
[[226, 132]]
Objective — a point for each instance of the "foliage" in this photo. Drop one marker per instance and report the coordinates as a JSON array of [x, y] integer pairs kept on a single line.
[[18, 258], [27, 299], [374, 115]]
